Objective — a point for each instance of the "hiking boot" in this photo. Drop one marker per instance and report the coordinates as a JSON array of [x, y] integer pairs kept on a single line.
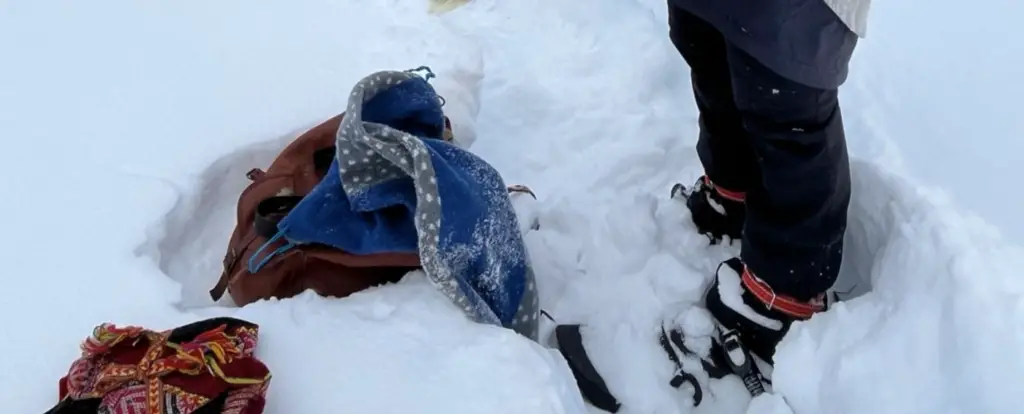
[[740, 301], [715, 211]]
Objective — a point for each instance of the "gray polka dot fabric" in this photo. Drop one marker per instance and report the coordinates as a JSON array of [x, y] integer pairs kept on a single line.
[[525, 321], [370, 153]]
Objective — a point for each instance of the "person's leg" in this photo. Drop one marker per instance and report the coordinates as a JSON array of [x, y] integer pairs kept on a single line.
[[723, 145], [796, 213]]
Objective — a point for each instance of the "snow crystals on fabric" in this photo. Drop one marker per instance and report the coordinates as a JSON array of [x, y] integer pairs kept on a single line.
[[488, 275]]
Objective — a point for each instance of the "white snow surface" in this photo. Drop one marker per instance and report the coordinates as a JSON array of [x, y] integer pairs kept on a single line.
[[128, 126]]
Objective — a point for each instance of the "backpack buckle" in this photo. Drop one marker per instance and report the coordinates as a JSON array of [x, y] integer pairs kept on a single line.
[[255, 174]]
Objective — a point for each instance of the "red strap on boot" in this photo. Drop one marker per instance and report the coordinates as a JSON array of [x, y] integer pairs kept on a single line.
[[781, 303], [737, 196]]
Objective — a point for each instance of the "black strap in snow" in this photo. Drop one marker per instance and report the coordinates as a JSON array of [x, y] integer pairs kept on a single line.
[[592, 386], [714, 367], [681, 376]]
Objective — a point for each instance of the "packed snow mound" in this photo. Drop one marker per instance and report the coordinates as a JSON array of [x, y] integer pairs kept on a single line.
[[942, 330], [398, 349]]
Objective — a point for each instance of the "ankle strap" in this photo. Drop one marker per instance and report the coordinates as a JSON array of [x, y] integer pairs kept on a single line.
[[781, 303], [737, 196]]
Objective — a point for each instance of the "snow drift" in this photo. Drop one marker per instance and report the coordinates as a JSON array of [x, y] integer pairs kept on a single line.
[[128, 128]]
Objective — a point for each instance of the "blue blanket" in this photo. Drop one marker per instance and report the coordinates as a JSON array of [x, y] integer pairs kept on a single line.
[[396, 186]]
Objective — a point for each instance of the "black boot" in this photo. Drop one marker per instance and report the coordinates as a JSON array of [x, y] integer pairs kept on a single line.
[[739, 301], [716, 213]]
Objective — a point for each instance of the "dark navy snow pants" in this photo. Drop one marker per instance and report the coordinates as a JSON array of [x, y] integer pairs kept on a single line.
[[783, 144]]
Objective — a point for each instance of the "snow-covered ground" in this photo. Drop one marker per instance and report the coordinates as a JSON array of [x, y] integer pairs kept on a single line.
[[127, 127]]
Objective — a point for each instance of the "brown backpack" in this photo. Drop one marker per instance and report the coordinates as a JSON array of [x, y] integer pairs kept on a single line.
[[270, 196]]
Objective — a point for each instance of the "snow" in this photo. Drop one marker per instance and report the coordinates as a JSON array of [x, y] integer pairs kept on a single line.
[[128, 127]]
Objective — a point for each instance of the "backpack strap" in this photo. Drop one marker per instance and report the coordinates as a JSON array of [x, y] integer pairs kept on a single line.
[[322, 159], [230, 261], [222, 284], [271, 211]]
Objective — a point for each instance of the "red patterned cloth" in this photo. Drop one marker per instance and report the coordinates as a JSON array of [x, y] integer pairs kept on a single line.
[[206, 367]]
